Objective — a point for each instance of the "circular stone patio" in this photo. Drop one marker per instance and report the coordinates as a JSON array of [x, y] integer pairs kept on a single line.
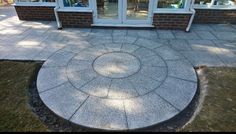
[[117, 86]]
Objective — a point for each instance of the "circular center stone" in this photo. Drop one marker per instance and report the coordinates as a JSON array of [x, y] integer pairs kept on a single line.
[[116, 65]]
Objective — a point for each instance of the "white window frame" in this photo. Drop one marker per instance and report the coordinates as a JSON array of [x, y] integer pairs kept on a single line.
[[89, 8], [40, 3], [212, 6], [186, 7]]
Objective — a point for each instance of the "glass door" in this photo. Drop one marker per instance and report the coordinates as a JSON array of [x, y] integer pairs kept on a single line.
[[123, 12], [137, 11], [108, 11]]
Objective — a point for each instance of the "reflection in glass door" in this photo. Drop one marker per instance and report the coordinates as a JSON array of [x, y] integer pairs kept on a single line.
[[137, 9], [108, 11]]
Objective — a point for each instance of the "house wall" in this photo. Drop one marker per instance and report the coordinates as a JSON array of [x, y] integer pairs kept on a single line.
[[171, 21], [214, 16], [76, 19], [35, 13]]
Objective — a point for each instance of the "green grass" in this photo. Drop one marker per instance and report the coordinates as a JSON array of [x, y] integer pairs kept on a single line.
[[15, 112], [218, 112], [219, 108]]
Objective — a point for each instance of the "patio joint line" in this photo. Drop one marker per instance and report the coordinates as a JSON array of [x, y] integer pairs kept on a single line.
[[126, 117], [182, 79], [167, 101], [78, 108], [53, 87]]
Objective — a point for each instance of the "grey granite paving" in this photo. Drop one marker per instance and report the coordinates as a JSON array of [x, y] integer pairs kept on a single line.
[[148, 110], [51, 77], [158, 79], [178, 92], [180, 45], [122, 89], [64, 100], [165, 34], [101, 113]]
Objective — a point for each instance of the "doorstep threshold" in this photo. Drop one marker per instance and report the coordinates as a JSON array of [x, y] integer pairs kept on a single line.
[[123, 25]]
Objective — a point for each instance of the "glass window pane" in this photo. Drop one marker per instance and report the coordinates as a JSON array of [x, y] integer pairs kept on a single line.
[[107, 9], [137, 9], [202, 2], [48, 0], [172, 4], [76, 3], [29, 0], [225, 2]]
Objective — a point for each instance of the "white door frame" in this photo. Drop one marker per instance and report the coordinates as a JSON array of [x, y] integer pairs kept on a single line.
[[122, 15]]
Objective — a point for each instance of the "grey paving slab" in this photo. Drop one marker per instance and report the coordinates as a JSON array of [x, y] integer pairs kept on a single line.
[[24, 53], [226, 45], [228, 57], [31, 40], [225, 35], [13, 30], [124, 39], [40, 32], [59, 59], [122, 89], [78, 31], [200, 58], [119, 32], [143, 84], [165, 34], [151, 44], [76, 48], [81, 78], [185, 35], [147, 110], [153, 61], [116, 65], [100, 40], [156, 73], [201, 27], [143, 53], [180, 45], [129, 48], [223, 27], [50, 78], [113, 47], [203, 45], [100, 32], [178, 92], [101, 113], [9, 40], [167, 53], [207, 35], [181, 69], [6, 50], [148, 34], [98, 87], [75, 65], [63, 100]]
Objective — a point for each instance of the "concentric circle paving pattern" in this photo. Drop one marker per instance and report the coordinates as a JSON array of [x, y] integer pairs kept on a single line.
[[117, 86], [116, 65]]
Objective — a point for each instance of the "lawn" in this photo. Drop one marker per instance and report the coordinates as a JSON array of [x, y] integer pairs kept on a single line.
[[217, 113], [15, 111]]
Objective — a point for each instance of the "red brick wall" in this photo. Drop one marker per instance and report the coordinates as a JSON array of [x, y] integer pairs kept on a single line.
[[171, 21], [35, 13], [76, 19], [215, 16]]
